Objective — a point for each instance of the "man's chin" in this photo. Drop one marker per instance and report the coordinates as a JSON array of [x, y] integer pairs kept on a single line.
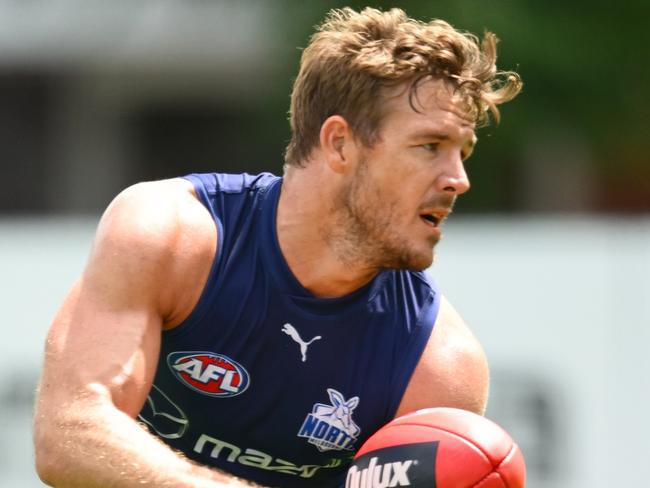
[[425, 264], [411, 259], [421, 261]]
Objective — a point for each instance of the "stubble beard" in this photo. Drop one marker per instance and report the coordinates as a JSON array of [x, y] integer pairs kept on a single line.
[[363, 234]]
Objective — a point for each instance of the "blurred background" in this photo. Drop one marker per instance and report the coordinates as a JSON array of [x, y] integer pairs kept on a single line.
[[547, 257]]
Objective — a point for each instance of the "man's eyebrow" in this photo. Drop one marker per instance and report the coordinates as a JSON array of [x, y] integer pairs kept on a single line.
[[431, 134], [442, 136]]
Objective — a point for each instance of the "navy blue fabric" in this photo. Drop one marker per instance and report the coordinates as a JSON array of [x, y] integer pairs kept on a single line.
[[293, 421]]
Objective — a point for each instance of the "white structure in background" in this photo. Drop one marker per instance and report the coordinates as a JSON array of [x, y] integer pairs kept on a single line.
[[143, 35], [562, 306]]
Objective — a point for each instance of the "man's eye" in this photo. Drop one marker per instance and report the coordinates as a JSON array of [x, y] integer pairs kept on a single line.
[[431, 147]]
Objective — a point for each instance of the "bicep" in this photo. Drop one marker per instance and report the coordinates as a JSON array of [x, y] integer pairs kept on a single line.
[[465, 365], [98, 347]]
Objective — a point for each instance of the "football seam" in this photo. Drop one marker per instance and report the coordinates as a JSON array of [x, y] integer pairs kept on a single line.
[[466, 439], [495, 468], [471, 442]]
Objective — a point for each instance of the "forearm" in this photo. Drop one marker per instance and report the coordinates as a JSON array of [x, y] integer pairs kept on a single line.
[[101, 446]]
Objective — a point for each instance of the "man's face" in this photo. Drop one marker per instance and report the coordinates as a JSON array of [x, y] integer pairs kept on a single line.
[[406, 184]]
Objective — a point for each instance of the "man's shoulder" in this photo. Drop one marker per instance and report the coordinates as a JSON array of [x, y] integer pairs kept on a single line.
[[161, 234], [165, 203], [159, 217]]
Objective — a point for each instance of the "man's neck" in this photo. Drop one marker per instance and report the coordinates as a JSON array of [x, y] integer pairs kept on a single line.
[[304, 221]]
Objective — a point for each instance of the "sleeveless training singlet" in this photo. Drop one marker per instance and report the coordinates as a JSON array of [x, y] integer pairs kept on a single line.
[[266, 381]]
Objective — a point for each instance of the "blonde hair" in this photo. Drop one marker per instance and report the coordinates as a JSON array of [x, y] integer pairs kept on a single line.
[[355, 57]]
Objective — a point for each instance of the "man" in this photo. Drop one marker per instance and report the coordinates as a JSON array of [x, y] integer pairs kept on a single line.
[[267, 326]]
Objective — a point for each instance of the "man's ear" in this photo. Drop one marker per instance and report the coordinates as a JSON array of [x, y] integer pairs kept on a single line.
[[337, 143]]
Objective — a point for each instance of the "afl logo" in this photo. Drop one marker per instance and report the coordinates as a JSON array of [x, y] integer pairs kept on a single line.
[[209, 373]]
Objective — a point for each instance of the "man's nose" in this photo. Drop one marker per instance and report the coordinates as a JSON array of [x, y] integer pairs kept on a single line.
[[453, 179]]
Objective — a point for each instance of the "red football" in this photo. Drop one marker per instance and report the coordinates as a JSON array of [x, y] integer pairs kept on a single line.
[[439, 448]]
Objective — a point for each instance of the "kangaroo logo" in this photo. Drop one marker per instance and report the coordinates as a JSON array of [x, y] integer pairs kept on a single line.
[[291, 331], [330, 427]]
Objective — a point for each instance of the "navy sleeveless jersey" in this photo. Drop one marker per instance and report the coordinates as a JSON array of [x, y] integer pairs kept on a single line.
[[266, 381]]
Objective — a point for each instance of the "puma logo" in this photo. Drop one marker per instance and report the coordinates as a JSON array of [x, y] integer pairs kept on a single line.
[[293, 333]]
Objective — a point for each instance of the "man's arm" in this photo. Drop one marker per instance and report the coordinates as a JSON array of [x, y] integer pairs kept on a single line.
[[148, 265], [453, 370]]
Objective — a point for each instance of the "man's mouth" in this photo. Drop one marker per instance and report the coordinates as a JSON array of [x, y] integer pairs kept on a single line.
[[434, 218], [431, 219]]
